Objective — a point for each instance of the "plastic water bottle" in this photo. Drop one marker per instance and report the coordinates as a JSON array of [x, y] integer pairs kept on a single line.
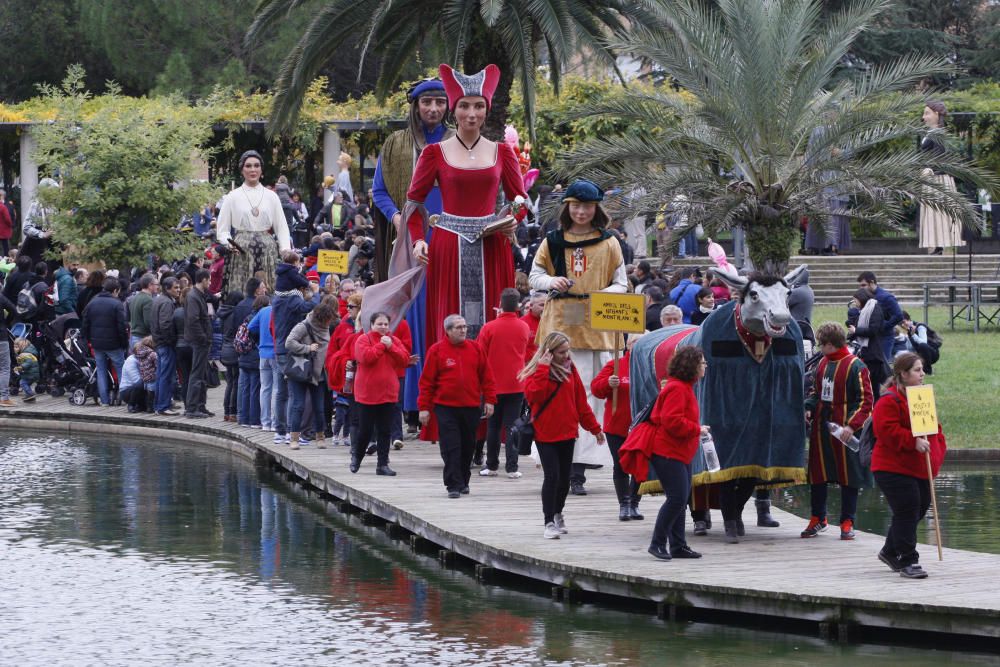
[[349, 378], [837, 431], [711, 456]]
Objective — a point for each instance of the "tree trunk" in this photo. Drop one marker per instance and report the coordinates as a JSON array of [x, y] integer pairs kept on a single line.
[[769, 243]]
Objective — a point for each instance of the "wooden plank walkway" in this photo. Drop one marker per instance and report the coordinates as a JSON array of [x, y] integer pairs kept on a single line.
[[772, 572]]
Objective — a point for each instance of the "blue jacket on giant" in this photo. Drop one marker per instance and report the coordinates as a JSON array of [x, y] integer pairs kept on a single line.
[[104, 323]]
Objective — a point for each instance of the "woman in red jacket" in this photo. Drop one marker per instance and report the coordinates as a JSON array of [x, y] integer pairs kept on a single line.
[[899, 461], [616, 426], [552, 382], [678, 428], [379, 357]]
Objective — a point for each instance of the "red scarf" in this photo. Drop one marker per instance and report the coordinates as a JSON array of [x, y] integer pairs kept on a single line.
[[756, 345], [839, 354]]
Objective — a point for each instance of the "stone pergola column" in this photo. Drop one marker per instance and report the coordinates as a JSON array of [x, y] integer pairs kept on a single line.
[[331, 151], [28, 172]]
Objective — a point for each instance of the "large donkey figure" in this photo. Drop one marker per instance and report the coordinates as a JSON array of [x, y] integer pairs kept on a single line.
[[752, 393]]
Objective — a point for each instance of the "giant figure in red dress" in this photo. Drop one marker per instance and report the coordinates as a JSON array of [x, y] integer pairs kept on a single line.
[[465, 268]]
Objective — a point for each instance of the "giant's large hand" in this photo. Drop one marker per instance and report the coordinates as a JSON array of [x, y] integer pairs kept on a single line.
[[420, 252]]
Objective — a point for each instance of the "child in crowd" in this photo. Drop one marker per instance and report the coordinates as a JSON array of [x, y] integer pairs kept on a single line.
[[138, 383], [27, 367]]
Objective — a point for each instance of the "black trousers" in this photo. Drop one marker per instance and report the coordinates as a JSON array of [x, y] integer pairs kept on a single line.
[[184, 368], [368, 417], [908, 498], [733, 495], [136, 397], [197, 392], [675, 476], [557, 459], [848, 501], [507, 409], [457, 441], [231, 399], [626, 488]]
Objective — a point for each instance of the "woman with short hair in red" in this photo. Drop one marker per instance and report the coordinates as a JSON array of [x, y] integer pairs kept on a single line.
[[678, 428]]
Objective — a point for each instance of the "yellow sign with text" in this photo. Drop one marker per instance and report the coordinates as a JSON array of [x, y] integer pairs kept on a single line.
[[923, 412], [331, 261], [618, 312]]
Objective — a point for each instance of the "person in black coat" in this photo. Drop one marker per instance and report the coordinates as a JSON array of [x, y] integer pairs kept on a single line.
[[198, 334], [6, 359], [105, 329], [21, 275], [165, 338], [864, 324], [656, 304]]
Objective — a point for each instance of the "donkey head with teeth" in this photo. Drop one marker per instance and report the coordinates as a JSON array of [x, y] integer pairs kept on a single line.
[[763, 299]]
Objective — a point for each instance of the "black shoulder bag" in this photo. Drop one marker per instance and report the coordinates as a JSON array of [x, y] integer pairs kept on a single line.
[[522, 431]]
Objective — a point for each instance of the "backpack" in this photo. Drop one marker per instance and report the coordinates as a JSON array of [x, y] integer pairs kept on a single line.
[[928, 351], [26, 305], [934, 338], [867, 439], [243, 341]]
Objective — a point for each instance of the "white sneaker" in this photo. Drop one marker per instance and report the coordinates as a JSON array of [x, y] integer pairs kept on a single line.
[[551, 532], [486, 472], [269, 428], [287, 438], [515, 475], [255, 427], [279, 439], [397, 444], [560, 523]]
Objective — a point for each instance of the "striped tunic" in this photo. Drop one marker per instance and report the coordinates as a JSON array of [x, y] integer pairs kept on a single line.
[[841, 393]]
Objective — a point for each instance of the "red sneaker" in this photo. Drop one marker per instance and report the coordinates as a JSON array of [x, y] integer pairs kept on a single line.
[[847, 529], [815, 527]]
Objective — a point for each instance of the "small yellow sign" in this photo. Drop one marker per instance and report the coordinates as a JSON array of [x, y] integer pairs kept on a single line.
[[331, 261], [617, 312], [923, 413]]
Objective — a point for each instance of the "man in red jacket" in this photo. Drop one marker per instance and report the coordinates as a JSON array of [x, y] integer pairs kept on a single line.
[[457, 385], [504, 340], [532, 318]]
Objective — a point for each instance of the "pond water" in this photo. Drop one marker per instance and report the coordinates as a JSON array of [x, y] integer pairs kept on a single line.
[[157, 554], [967, 498]]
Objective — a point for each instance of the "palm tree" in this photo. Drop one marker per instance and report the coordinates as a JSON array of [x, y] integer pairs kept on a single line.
[[764, 131], [474, 33]]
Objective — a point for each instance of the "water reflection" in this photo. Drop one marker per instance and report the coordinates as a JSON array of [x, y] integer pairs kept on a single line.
[[159, 554], [967, 500]]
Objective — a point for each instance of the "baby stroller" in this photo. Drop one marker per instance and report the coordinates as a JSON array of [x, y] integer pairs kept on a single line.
[[71, 368]]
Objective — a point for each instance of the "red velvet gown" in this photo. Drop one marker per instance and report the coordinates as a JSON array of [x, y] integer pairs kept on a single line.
[[466, 192]]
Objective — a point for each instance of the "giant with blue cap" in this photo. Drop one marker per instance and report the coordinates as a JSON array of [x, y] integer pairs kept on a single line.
[[583, 190]]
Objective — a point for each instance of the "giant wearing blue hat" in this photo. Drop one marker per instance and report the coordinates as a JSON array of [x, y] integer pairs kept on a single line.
[[393, 173], [583, 190]]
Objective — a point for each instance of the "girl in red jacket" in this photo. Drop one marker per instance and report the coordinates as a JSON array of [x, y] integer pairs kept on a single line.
[[379, 356], [678, 428], [616, 426], [553, 382], [899, 462]]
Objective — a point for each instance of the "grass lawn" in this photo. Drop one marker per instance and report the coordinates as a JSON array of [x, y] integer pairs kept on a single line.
[[966, 379]]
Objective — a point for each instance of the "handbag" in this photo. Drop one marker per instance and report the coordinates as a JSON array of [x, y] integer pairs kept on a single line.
[[522, 431], [299, 367]]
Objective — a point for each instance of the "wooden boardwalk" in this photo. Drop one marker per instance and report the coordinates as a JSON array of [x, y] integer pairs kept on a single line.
[[772, 572]]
